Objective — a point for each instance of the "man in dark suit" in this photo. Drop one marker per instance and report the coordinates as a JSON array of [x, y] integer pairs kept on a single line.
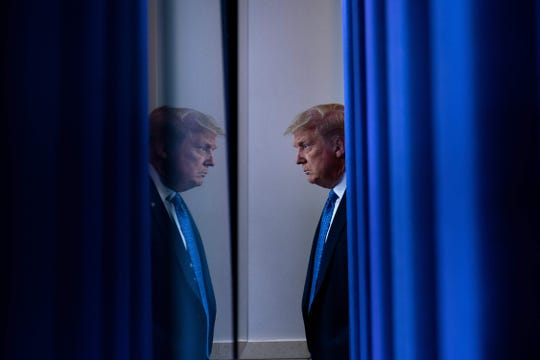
[[182, 142], [319, 139]]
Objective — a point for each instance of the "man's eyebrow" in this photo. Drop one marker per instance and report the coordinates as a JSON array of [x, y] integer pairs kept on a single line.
[[209, 145]]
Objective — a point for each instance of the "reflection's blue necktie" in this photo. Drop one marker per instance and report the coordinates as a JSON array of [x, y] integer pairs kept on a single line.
[[323, 230], [186, 226]]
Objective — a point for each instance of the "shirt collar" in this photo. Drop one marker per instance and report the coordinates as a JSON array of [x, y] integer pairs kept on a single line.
[[341, 186], [164, 192]]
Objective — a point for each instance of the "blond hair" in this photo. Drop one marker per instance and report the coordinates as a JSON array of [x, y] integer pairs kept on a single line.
[[326, 119], [170, 125]]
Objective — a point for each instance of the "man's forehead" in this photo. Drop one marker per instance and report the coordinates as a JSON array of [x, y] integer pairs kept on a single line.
[[304, 135], [204, 136], [202, 140]]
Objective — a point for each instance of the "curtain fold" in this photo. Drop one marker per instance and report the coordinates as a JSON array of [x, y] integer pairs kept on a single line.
[[75, 249], [443, 136]]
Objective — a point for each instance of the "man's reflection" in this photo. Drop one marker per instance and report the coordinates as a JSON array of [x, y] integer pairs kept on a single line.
[[182, 142]]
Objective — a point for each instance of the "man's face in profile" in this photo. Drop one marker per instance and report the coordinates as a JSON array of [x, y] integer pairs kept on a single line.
[[188, 161], [320, 160]]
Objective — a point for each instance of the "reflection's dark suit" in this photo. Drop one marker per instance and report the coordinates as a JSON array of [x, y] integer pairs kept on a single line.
[[327, 324], [179, 320]]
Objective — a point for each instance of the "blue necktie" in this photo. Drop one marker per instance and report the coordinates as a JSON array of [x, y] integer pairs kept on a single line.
[[323, 230], [186, 226]]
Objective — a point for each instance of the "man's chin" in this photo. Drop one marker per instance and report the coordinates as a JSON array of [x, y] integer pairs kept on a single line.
[[188, 186], [316, 181], [198, 182]]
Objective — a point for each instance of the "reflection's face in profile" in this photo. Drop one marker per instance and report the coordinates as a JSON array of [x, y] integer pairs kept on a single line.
[[188, 162], [319, 159]]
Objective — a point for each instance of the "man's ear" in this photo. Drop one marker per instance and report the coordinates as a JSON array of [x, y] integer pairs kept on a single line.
[[339, 147], [160, 151]]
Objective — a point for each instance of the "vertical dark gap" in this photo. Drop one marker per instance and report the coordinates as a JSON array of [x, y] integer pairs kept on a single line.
[[365, 189], [350, 144], [422, 186], [366, 265], [229, 23], [7, 183], [384, 175]]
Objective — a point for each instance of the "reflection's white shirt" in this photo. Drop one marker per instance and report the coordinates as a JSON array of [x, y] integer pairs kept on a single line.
[[166, 193]]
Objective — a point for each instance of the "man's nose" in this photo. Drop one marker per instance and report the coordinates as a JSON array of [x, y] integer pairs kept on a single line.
[[209, 159], [299, 158]]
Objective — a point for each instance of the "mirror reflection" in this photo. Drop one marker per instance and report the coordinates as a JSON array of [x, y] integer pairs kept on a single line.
[[289, 59], [191, 284]]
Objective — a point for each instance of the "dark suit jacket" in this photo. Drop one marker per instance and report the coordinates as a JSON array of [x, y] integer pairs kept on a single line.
[[179, 320], [327, 324]]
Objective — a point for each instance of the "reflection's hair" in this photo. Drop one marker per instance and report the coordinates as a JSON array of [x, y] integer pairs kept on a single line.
[[325, 119], [171, 125]]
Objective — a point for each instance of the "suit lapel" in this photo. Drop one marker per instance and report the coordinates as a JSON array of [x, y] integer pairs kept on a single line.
[[309, 275]]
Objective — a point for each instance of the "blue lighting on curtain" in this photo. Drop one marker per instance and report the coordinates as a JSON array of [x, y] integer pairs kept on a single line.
[[456, 171], [443, 164], [354, 58]]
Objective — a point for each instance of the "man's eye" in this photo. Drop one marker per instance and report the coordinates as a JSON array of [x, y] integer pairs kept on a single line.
[[204, 149]]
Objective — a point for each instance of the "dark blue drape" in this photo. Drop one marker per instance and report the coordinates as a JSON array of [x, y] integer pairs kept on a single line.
[[443, 164], [75, 242]]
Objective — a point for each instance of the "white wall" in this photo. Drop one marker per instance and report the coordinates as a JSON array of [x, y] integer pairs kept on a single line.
[[293, 58], [290, 59]]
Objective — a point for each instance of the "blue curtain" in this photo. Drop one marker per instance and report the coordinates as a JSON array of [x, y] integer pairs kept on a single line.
[[443, 164], [75, 233]]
